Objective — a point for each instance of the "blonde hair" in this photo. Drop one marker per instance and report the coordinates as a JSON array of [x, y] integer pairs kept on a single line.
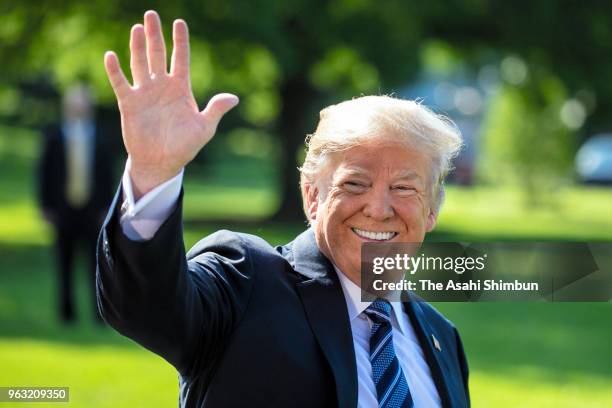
[[382, 118]]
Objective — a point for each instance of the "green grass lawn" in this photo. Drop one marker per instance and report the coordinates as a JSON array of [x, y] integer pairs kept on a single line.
[[520, 354]]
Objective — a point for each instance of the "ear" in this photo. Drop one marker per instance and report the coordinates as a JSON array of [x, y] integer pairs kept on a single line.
[[432, 218], [312, 202]]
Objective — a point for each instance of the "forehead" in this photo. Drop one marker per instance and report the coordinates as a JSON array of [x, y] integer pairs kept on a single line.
[[393, 159]]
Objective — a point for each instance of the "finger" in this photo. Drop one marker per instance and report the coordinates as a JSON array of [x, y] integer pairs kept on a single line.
[[180, 53], [138, 55], [115, 75], [218, 106], [156, 49]]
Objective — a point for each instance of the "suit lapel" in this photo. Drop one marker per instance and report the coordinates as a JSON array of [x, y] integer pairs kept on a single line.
[[325, 306], [433, 355]]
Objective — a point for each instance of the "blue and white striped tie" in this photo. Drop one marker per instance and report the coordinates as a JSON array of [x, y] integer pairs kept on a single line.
[[391, 386]]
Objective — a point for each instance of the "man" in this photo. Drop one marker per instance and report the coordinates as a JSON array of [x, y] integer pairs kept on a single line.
[[75, 189], [246, 324]]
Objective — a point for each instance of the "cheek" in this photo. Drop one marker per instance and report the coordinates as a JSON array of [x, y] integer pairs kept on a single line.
[[338, 209], [412, 211], [333, 207]]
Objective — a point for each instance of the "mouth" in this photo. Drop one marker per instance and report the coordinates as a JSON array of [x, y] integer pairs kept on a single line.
[[376, 236]]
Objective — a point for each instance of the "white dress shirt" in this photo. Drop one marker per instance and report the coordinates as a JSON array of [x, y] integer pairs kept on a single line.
[[141, 220], [79, 145], [407, 348]]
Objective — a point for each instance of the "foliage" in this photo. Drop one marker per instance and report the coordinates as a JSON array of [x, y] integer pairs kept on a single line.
[[287, 59], [526, 141]]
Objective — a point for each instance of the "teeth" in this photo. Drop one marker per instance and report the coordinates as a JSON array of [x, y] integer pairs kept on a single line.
[[378, 236]]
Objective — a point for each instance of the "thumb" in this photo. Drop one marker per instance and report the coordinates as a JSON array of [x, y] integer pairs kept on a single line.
[[218, 106]]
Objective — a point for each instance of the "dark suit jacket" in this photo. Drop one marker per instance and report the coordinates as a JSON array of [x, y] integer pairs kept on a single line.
[[249, 325], [52, 176]]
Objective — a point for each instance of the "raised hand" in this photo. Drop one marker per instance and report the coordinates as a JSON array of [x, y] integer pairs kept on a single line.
[[162, 127]]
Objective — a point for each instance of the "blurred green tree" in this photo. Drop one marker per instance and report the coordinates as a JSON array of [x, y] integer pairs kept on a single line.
[[286, 58], [555, 77], [526, 142]]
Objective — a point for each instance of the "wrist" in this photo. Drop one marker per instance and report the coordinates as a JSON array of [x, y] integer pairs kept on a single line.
[[145, 178]]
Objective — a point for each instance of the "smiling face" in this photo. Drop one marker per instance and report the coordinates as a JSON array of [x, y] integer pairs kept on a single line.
[[375, 192]]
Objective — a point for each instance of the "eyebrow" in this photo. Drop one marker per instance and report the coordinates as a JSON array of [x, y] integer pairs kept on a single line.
[[409, 174], [354, 171], [359, 171]]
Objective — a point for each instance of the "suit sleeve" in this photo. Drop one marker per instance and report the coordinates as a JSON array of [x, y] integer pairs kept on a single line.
[[463, 365], [105, 178], [45, 172], [182, 309]]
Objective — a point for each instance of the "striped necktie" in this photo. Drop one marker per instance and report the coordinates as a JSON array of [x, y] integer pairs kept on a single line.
[[391, 386]]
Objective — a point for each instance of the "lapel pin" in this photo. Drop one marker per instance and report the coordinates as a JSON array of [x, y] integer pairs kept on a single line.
[[436, 343]]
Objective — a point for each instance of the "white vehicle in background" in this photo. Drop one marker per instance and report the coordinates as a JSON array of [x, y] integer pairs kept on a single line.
[[594, 160]]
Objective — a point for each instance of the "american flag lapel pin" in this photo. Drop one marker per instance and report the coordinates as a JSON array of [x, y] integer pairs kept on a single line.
[[436, 343]]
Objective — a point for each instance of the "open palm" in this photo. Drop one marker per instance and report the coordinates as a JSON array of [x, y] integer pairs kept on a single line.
[[163, 128]]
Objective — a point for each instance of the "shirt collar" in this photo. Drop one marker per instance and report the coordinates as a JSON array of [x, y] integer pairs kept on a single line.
[[355, 306]]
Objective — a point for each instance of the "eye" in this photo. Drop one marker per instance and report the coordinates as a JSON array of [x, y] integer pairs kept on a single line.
[[405, 189], [354, 186]]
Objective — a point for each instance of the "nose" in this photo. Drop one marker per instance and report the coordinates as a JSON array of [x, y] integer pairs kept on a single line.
[[378, 205]]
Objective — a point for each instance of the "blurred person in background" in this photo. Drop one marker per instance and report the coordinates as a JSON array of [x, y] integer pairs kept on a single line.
[[75, 189]]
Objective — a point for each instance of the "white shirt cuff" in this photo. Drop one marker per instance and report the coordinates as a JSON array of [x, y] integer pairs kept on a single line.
[[140, 220]]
